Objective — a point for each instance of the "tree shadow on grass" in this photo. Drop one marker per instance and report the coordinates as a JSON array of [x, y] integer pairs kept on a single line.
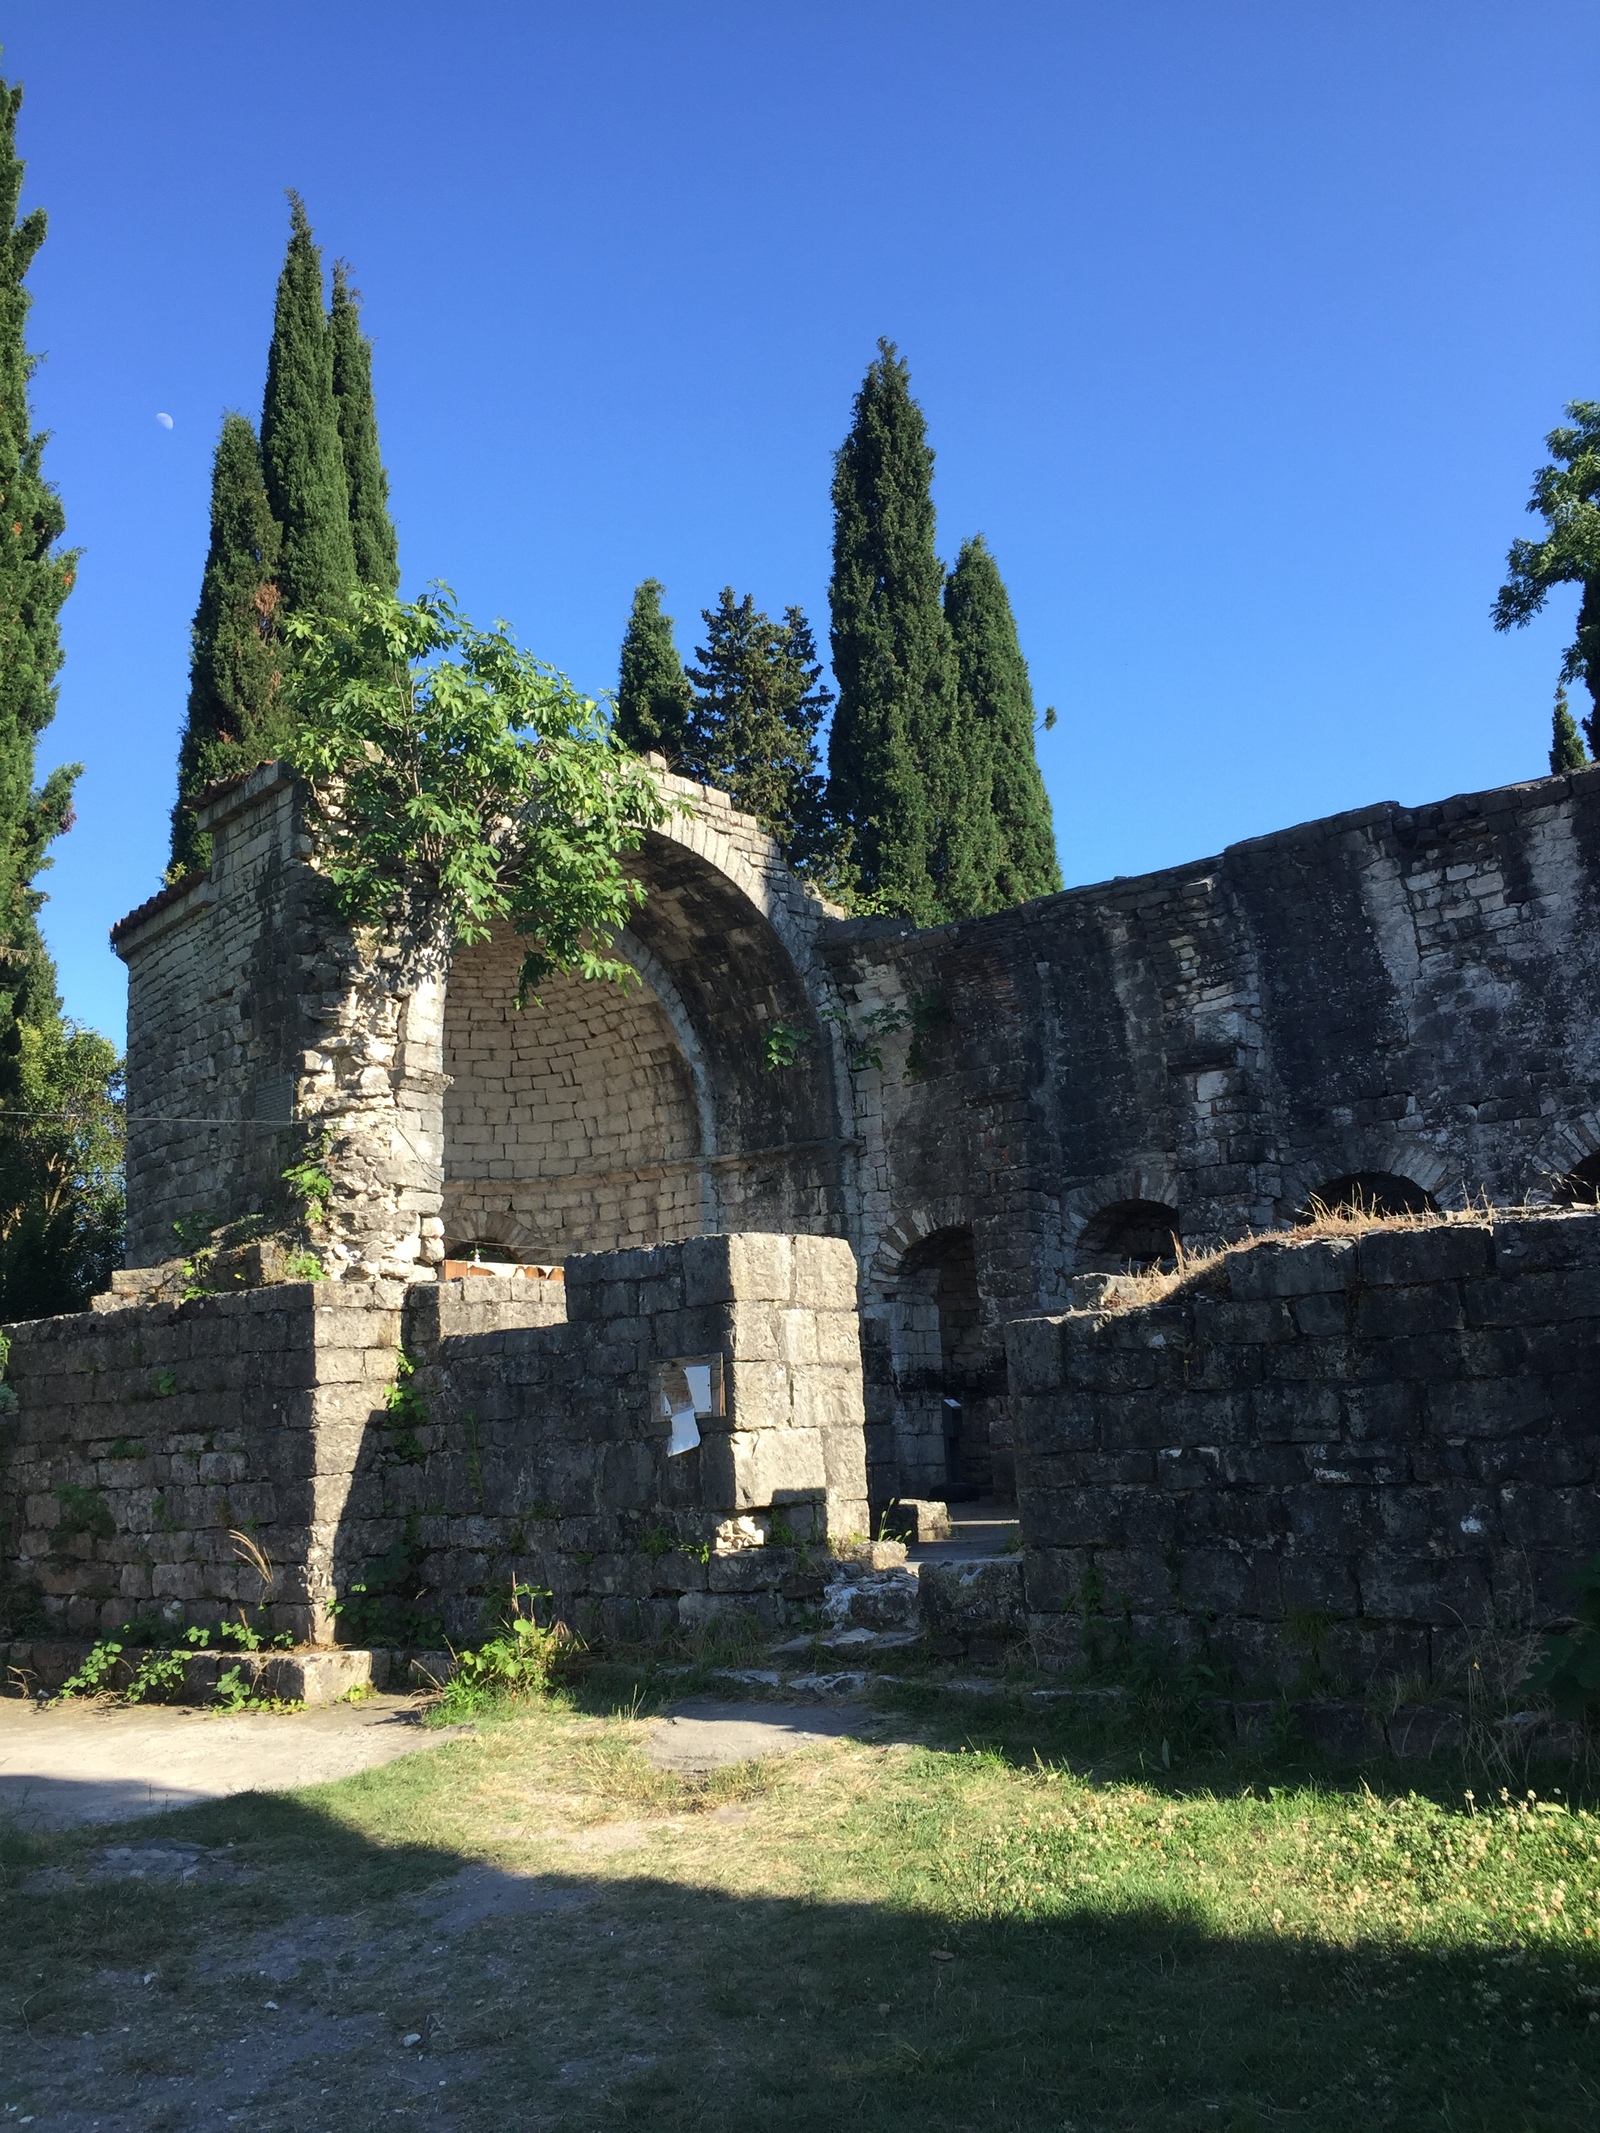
[[288, 1974]]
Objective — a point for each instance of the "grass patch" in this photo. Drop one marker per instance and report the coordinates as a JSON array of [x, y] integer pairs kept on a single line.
[[986, 1921]]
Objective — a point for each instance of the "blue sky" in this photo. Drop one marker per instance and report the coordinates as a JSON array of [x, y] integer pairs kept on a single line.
[[1238, 328]]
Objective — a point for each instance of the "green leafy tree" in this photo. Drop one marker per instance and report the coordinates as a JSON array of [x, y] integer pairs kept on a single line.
[[372, 534], [997, 705], [61, 1157], [59, 1207], [1566, 743], [906, 782], [237, 710], [654, 699], [302, 453], [1566, 495], [457, 780], [759, 706]]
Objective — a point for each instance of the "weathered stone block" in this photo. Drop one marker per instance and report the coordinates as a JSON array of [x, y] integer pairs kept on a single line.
[[746, 1469], [1270, 1271], [1430, 1257]]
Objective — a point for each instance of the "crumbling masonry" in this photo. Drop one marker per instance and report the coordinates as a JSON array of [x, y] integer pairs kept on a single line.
[[980, 1113]]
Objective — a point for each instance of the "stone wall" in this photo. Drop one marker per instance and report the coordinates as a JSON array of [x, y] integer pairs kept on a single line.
[[1398, 991], [520, 1443], [569, 1127], [1346, 1455]]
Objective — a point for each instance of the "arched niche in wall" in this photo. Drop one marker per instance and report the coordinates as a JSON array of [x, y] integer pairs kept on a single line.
[[608, 1116], [1580, 1186], [1128, 1233], [1369, 1192]]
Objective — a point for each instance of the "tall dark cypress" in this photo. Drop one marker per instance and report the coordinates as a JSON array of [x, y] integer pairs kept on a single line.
[[997, 703], [235, 715], [35, 578], [1566, 745], [901, 778], [302, 454], [653, 694], [759, 705], [60, 1226], [372, 534]]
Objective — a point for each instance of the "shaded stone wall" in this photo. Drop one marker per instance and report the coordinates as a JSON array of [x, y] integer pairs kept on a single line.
[[1404, 991], [1352, 1454], [527, 1445]]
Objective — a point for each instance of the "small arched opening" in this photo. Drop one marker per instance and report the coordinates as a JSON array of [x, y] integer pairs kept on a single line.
[[1370, 1192], [1581, 1185], [1129, 1234], [949, 1377]]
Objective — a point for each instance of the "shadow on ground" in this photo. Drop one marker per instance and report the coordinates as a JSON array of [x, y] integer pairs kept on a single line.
[[259, 1959]]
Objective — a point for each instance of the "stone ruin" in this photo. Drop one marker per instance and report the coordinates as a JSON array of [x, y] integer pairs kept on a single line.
[[913, 1221]]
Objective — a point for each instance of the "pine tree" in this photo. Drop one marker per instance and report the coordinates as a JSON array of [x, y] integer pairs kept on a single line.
[[59, 1235], [235, 717], [903, 782], [653, 694], [302, 455], [758, 709], [372, 534], [997, 699], [1566, 748]]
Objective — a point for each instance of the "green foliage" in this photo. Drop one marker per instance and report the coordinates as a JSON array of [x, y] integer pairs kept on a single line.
[[383, 1608], [82, 1511], [1566, 495], [454, 791], [653, 695], [95, 1675], [997, 718], [526, 1660], [782, 1045], [61, 1156], [1566, 744], [1568, 1669], [60, 1174], [302, 453], [900, 775], [372, 534], [758, 708], [408, 1411], [35, 576], [236, 711], [158, 1678], [308, 1180]]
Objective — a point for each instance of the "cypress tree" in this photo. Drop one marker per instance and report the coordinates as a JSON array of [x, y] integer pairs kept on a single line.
[[758, 708], [234, 716], [372, 534], [302, 454], [997, 700], [653, 695], [35, 578], [59, 1229], [1566, 747], [903, 781]]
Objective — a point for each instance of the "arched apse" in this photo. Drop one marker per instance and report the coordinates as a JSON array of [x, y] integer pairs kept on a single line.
[[610, 1116], [1128, 1233]]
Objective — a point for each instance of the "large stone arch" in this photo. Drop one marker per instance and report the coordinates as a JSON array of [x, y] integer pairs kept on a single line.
[[610, 1116]]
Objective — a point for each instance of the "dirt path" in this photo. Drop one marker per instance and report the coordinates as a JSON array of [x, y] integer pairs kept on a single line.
[[75, 1763]]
